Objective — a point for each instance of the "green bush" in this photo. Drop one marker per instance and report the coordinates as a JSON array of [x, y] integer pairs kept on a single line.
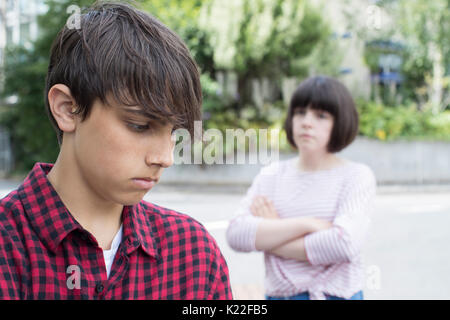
[[403, 122], [440, 125]]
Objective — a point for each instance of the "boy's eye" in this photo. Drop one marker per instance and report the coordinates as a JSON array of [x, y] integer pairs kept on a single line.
[[138, 127]]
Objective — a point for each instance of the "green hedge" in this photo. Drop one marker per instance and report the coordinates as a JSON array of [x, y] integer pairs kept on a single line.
[[402, 122]]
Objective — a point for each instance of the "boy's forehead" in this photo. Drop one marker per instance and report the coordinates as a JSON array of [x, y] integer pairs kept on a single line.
[[127, 109], [135, 110]]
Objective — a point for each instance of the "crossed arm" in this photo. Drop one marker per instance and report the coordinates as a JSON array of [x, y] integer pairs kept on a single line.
[[283, 237]]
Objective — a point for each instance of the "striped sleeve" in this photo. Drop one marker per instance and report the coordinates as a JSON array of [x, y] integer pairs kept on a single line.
[[343, 241], [241, 232]]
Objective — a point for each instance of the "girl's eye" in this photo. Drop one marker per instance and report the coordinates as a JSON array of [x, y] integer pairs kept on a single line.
[[299, 111], [322, 115]]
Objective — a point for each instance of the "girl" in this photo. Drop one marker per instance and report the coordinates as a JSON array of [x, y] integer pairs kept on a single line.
[[310, 215]]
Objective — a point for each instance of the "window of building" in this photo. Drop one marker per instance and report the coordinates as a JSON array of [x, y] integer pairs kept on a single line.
[[24, 33], [10, 5], [24, 6], [9, 35]]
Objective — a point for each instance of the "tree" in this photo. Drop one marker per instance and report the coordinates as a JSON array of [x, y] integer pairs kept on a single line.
[[263, 38], [425, 28]]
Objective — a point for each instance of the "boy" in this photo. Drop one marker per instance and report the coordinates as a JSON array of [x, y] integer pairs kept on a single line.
[[116, 89]]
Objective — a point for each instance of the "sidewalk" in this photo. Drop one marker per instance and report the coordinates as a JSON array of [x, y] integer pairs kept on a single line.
[[241, 188]]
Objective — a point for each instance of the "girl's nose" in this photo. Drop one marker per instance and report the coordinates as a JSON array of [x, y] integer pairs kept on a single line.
[[307, 119]]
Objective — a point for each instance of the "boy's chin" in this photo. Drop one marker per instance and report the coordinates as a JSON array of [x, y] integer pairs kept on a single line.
[[132, 200]]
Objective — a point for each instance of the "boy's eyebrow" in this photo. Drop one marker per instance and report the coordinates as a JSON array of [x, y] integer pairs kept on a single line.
[[142, 113], [139, 112]]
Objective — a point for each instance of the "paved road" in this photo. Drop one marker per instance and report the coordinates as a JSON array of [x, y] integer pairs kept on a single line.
[[407, 255]]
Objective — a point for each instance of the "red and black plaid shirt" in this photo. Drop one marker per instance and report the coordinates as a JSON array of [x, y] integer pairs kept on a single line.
[[46, 254]]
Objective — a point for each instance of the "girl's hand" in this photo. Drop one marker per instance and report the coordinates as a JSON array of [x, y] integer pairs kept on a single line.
[[263, 207]]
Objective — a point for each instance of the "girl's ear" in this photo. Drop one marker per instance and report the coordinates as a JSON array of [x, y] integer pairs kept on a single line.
[[62, 106]]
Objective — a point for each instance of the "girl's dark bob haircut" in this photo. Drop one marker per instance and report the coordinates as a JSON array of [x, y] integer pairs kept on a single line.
[[121, 55], [328, 94]]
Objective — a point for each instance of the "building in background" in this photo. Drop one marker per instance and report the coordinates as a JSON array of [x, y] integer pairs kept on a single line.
[[18, 25]]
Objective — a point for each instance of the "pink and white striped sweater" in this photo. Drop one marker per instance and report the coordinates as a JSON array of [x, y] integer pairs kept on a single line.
[[343, 195]]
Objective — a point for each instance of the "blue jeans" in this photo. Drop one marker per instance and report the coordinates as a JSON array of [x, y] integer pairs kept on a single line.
[[305, 296]]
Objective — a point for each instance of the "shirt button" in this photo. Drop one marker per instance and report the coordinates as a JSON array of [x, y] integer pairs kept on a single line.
[[99, 287]]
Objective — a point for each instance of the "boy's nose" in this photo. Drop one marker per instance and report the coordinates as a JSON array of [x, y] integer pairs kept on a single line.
[[160, 153]]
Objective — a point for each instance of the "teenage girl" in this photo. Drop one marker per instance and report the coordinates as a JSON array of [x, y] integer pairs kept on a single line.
[[310, 214]]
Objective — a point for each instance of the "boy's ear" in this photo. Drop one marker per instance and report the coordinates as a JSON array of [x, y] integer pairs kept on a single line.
[[62, 105]]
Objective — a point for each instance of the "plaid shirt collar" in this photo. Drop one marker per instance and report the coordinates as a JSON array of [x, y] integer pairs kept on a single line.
[[52, 221]]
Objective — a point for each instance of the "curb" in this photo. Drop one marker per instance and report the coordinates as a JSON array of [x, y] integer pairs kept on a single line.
[[241, 188]]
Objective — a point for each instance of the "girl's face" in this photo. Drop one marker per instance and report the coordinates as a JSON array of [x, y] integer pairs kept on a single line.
[[312, 129]]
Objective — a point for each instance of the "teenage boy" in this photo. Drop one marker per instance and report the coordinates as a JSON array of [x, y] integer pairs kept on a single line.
[[116, 89]]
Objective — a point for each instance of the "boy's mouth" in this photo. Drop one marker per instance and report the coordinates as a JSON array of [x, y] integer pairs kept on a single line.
[[145, 183]]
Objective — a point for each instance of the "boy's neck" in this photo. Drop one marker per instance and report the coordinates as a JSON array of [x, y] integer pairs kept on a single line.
[[98, 216]]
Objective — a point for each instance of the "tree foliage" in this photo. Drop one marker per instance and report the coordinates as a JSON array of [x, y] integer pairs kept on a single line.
[[25, 69], [263, 38], [424, 27], [182, 17]]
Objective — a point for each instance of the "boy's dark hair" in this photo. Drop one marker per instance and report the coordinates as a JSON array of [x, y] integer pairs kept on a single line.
[[127, 54], [328, 94]]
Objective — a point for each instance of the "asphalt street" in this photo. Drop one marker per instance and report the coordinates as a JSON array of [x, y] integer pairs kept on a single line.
[[406, 256]]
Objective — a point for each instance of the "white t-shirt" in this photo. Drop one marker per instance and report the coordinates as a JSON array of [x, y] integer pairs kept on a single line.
[[110, 254]]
